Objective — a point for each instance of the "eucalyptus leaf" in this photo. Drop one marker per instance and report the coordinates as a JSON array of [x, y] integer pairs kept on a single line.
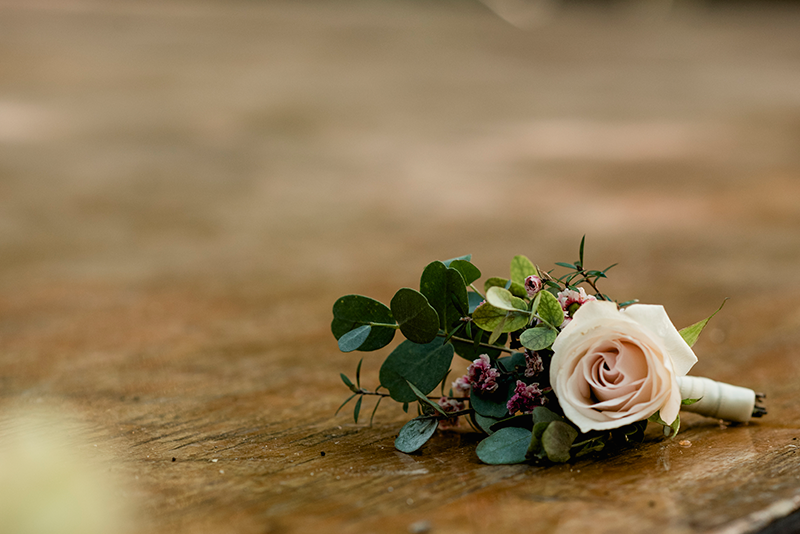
[[535, 447], [506, 446], [518, 290], [415, 434], [447, 263], [484, 423], [474, 300], [353, 311], [467, 270], [549, 309], [487, 317], [354, 338], [425, 400], [446, 292], [489, 404], [503, 299], [557, 440], [418, 321], [472, 350], [424, 365], [521, 268], [545, 415], [691, 333], [538, 338]]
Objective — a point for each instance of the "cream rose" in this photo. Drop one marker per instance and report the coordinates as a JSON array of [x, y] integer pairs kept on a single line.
[[614, 367]]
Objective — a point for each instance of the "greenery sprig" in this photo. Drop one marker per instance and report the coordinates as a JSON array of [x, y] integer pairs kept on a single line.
[[506, 332]]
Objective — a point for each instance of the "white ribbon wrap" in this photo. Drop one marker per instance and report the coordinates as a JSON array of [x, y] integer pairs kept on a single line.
[[718, 400]]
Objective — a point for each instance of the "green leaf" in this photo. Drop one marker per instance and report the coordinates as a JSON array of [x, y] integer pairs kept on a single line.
[[506, 446], [347, 382], [521, 421], [487, 317], [545, 415], [498, 331], [357, 409], [510, 363], [467, 270], [535, 448], [489, 405], [418, 321], [474, 300], [518, 290], [344, 403], [567, 265], [425, 400], [580, 251], [503, 299], [484, 423], [358, 372], [471, 351], [549, 309], [538, 338], [415, 434], [353, 311], [422, 365], [557, 440], [521, 268], [691, 333], [447, 263], [689, 402], [354, 338], [673, 428], [446, 292]]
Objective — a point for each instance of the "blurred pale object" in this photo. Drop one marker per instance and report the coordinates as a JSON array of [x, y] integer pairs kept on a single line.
[[49, 483]]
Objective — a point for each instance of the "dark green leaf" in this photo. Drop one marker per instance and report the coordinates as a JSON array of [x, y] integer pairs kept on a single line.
[[628, 303], [580, 251], [557, 440], [509, 363], [567, 265], [506, 446], [345, 402], [446, 292], [352, 311], [422, 365], [471, 351], [545, 415], [691, 333], [415, 434], [375, 409], [538, 338], [347, 382], [354, 338], [425, 400], [550, 310], [418, 321], [358, 372], [521, 268], [357, 409], [521, 421], [489, 405], [484, 423], [518, 290], [467, 270], [535, 448], [689, 402], [447, 263]]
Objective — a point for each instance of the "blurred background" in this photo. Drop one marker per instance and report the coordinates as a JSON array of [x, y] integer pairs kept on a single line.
[[186, 186]]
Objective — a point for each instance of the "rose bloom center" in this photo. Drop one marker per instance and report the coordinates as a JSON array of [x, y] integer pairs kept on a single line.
[[613, 370]]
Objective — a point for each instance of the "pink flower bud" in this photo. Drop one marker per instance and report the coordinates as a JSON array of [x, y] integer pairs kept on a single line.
[[533, 284]]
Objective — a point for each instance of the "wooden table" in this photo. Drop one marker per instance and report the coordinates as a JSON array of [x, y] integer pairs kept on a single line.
[[185, 189]]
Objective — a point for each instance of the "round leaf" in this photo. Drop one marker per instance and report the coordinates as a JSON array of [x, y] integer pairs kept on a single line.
[[415, 434], [418, 321], [538, 338], [506, 446], [518, 290], [503, 299], [422, 365], [487, 317], [549, 309], [557, 440], [467, 270], [521, 268], [353, 311]]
